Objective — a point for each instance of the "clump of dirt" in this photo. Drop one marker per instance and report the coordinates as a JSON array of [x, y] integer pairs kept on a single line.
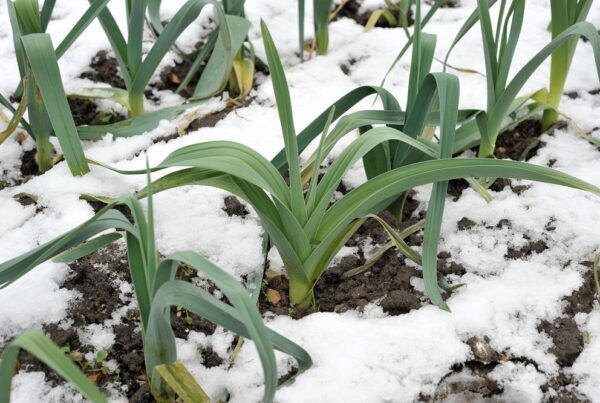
[[465, 224], [233, 206], [85, 112], [29, 167], [105, 69], [567, 339], [532, 247]]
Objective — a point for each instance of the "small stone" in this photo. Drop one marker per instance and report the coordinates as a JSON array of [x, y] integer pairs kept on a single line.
[[273, 296], [94, 377], [482, 351]]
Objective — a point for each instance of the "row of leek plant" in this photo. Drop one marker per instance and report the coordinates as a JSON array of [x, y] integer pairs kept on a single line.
[[305, 228], [303, 224], [137, 70], [42, 95], [504, 101], [156, 291], [396, 13], [475, 127]]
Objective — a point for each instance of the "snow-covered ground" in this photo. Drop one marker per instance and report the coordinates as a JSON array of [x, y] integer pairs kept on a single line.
[[358, 357]]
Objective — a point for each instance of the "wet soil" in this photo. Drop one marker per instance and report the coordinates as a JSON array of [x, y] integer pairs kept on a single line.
[[97, 278], [104, 69], [211, 119], [387, 283], [29, 167], [171, 78], [85, 112], [519, 144]]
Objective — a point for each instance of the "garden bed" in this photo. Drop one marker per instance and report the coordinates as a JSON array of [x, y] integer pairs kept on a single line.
[[525, 322]]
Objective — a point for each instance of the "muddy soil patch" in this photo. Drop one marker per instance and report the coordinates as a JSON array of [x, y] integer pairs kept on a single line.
[[388, 282], [104, 69], [98, 278], [519, 144], [85, 112]]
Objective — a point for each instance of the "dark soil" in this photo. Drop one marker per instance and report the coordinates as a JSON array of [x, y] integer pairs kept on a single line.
[[211, 119], [96, 277], [105, 69], [172, 76], [233, 206], [532, 247], [519, 144], [85, 112], [471, 378], [29, 167]]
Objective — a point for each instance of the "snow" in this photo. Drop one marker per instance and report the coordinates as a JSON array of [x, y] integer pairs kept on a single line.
[[358, 357]]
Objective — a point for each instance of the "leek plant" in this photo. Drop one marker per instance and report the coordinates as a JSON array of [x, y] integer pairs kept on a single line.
[[241, 74], [303, 224], [565, 13], [41, 90], [321, 15], [499, 48], [156, 290], [395, 13], [137, 71], [50, 354], [321, 11]]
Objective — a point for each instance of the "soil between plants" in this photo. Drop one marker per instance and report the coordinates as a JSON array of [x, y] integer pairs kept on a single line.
[[388, 283], [519, 144]]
